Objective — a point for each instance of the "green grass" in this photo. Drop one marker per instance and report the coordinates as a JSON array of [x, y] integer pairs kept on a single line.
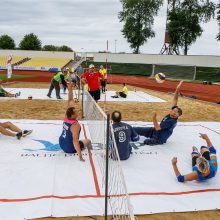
[[126, 68], [4, 76], [171, 71]]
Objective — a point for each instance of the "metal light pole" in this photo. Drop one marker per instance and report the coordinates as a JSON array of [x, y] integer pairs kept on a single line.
[[115, 46]]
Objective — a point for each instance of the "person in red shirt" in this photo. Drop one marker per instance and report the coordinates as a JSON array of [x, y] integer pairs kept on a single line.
[[92, 78]]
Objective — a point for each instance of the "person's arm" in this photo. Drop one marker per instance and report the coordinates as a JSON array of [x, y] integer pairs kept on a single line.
[[181, 178], [83, 79], [176, 94], [70, 102], [155, 122], [206, 138], [75, 128]]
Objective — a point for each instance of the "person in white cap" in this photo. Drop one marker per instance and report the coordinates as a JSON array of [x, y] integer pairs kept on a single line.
[[92, 77]]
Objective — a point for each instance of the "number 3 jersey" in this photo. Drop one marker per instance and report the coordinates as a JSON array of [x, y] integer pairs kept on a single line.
[[124, 133], [66, 138]]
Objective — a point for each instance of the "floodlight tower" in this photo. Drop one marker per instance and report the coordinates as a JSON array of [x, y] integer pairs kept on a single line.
[[168, 48]]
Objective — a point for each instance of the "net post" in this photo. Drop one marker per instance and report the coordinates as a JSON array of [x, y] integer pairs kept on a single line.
[[82, 103], [153, 70], [106, 166], [194, 76]]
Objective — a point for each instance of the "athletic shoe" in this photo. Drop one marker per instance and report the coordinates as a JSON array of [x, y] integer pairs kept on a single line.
[[19, 135], [114, 96], [19, 93], [26, 132], [49, 96], [16, 95], [59, 98]]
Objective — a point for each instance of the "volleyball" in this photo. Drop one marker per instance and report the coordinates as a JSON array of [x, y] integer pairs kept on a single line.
[[160, 77]]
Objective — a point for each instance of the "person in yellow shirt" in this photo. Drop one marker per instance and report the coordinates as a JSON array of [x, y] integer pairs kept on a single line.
[[103, 80], [123, 93]]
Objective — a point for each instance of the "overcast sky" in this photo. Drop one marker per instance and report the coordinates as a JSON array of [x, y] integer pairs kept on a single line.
[[86, 25]]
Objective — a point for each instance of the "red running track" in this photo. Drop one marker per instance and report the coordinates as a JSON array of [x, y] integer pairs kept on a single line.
[[210, 93]]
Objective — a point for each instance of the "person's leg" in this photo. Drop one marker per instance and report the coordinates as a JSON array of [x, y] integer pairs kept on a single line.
[[50, 89], [9, 95], [57, 88], [152, 141], [105, 82], [6, 132], [144, 131], [97, 95], [195, 154], [10, 126], [123, 95], [205, 152]]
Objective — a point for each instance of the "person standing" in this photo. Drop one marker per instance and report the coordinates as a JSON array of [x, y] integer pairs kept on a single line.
[[68, 75], [59, 78], [103, 80], [92, 79]]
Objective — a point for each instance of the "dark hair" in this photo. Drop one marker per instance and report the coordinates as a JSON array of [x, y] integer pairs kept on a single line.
[[124, 84], [116, 116], [70, 112], [180, 111]]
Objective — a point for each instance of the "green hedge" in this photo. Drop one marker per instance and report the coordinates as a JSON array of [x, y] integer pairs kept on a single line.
[[174, 72]]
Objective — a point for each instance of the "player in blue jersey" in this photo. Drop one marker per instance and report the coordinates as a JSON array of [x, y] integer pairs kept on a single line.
[[161, 132], [204, 164], [124, 133], [69, 139]]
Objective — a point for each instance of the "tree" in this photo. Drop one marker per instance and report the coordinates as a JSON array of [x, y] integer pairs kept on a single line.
[[65, 48], [218, 19], [6, 42], [139, 18], [50, 48], [30, 42], [184, 21]]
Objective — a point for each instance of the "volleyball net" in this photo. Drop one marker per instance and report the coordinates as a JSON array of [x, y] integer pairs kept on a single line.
[[117, 201]]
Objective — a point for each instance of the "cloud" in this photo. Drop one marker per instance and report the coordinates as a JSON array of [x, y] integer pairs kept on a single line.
[[86, 24]]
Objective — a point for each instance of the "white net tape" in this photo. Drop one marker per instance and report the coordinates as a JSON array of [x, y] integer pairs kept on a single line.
[[119, 206]]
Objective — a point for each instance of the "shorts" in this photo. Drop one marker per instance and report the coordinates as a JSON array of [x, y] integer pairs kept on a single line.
[[103, 82], [95, 94], [69, 147], [123, 95], [206, 155]]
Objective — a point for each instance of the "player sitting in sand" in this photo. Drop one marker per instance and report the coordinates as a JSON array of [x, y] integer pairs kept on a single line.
[[123, 93], [161, 132], [69, 139], [4, 93], [9, 129], [124, 133], [204, 164]]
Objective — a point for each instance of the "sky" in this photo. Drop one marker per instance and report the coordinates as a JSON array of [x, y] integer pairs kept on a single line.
[[86, 25]]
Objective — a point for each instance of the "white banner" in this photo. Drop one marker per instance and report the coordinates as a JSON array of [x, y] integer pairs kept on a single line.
[[9, 67]]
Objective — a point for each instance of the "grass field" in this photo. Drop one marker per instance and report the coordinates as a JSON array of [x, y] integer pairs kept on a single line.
[[4, 76]]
